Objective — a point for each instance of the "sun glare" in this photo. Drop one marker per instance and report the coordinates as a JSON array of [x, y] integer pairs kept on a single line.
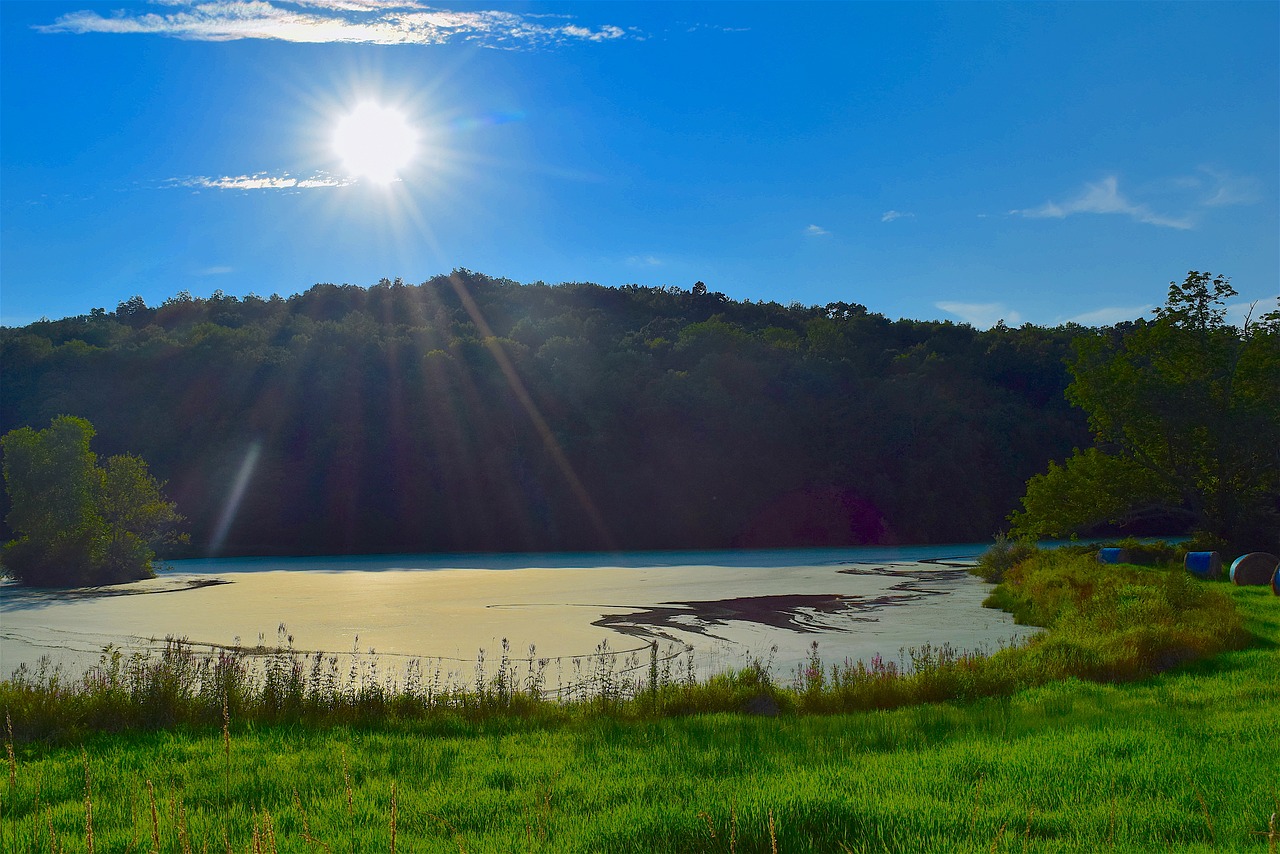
[[375, 142]]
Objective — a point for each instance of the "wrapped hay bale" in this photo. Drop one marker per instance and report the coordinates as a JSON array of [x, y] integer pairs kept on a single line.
[[1113, 555], [1203, 564], [1254, 568]]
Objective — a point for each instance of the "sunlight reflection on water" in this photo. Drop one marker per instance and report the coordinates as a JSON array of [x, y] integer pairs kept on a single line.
[[731, 606]]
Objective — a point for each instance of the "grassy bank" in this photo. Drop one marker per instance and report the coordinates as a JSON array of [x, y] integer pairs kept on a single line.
[[1188, 759]]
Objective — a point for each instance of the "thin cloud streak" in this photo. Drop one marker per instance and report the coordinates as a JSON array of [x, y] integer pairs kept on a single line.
[[816, 231], [259, 181], [1228, 189], [890, 216], [329, 21], [982, 315], [644, 261], [1104, 198]]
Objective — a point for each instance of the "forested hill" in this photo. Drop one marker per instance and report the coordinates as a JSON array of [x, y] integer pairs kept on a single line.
[[470, 413]]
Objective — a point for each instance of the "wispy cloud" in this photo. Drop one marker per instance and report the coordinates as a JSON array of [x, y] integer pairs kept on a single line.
[[260, 181], [981, 315], [890, 216], [1110, 315], [215, 271], [644, 261], [1237, 313], [1223, 188], [816, 231], [1104, 197], [693, 28], [323, 21]]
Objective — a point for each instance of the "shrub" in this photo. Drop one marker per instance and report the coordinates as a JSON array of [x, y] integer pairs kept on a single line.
[[1004, 555]]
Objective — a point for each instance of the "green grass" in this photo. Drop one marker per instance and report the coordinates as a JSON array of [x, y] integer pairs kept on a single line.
[[1185, 760]]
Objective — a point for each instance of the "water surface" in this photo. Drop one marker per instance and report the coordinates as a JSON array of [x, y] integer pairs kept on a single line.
[[730, 606]]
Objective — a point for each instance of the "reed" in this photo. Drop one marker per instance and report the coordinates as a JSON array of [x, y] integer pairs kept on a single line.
[[8, 748], [155, 819], [995, 843], [88, 804], [977, 801], [394, 805], [184, 837], [1208, 818]]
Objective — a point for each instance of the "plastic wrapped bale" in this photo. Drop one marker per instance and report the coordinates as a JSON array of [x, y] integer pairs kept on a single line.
[[1113, 555], [1203, 564], [1255, 568], [1275, 581]]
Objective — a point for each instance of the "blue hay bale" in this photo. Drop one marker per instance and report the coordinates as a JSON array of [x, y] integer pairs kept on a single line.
[[1203, 564], [1255, 568], [1113, 555], [1275, 581]]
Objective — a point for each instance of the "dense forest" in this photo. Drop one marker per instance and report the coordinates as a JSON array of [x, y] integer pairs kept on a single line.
[[472, 413]]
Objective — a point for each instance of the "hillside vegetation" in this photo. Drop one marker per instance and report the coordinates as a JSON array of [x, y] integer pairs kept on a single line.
[[471, 413]]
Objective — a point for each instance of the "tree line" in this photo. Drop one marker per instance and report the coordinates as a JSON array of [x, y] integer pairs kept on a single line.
[[468, 413]]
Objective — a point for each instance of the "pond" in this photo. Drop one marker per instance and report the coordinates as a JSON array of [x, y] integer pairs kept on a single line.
[[731, 607]]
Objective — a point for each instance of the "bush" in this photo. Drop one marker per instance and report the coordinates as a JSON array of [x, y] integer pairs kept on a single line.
[[1004, 555], [78, 522]]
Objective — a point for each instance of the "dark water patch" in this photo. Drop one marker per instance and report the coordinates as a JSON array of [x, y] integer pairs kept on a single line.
[[25, 598], [965, 563], [798, 613], [914, 581], [801, 613]]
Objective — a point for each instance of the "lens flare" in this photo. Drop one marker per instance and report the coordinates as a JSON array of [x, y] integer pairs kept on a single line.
[[232, 505]]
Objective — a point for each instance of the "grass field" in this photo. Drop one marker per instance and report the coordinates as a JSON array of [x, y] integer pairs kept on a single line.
[[1188, 760]]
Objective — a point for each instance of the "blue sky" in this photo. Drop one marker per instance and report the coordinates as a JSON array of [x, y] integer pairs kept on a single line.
[[1037, 162]]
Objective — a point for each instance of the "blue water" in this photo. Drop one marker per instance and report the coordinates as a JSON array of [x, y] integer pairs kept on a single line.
[[586, 560]]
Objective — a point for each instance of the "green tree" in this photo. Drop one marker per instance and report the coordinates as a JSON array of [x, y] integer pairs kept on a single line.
[[79, 523], [1186, 416]]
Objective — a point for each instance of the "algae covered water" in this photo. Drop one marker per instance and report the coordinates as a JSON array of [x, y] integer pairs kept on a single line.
[[731, 607]]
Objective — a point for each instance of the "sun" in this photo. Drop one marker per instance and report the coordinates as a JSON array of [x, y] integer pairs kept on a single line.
[[375, 142]]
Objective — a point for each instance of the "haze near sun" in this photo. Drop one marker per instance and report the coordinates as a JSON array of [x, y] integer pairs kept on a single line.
[[375, 142]]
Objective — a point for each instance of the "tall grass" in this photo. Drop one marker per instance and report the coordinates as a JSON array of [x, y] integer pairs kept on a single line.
[[1072, 766], [1112, 622]]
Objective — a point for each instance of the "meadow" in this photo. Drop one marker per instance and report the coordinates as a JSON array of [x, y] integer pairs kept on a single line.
[[1142, 719]]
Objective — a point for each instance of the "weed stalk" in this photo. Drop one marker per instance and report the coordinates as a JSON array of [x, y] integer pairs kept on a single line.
[[8, 747], [88, 803], [155, 819], [393, 816]]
